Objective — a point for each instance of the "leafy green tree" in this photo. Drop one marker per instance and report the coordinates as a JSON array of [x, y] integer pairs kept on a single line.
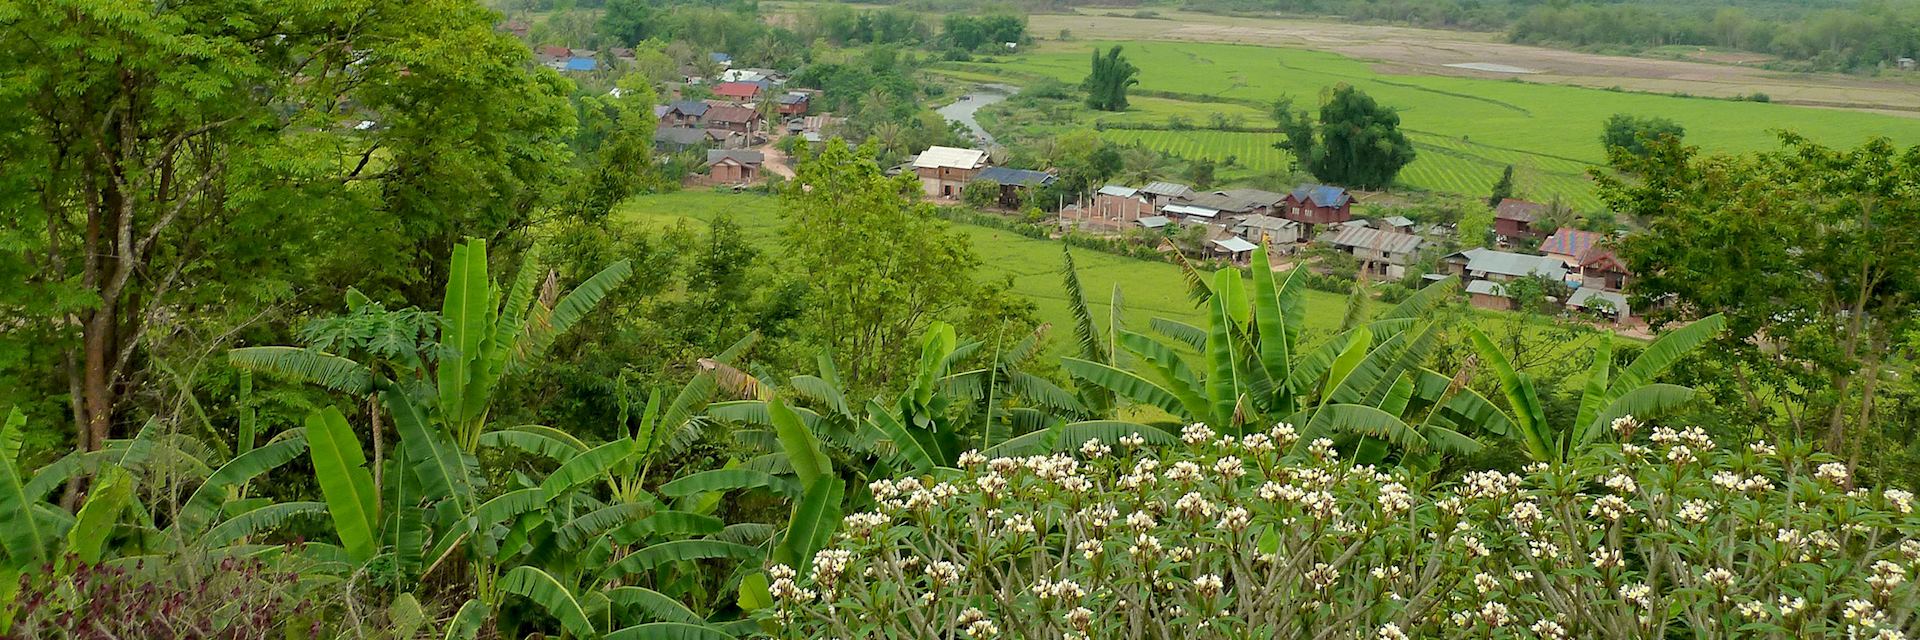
[[1806, 249], [877, 266], [1635, 134], [1502, 188], [1356, 141], [980, 194], [1106, 85], [1200, 173], [187, 171]]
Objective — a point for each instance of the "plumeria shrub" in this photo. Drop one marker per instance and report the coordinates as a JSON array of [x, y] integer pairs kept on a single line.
[[1666, 535]]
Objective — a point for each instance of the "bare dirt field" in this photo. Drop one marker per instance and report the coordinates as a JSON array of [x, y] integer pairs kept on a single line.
[[1410, 50]]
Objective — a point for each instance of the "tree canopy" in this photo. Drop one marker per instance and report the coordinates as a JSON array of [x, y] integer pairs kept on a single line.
[[1356, 142], [1637, 133]]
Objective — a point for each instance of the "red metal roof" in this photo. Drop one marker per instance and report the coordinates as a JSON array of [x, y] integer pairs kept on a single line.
[[736, 89]]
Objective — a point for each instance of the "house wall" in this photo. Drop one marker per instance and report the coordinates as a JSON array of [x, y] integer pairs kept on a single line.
[[1314, 214], [1510, 228], [1490, 301], [1606, 280], [793, 109], [733, 172], [944, 182], [740, 127]]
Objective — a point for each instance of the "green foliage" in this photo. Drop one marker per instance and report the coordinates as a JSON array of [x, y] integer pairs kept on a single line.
[[1355, 141], [1636, 134], [877, 268], [1607, 397], [1502, 189], [1106, 85], [980, 194], [341, 471]]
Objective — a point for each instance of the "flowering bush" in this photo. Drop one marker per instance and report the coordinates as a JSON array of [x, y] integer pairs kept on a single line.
[[1234, 538]]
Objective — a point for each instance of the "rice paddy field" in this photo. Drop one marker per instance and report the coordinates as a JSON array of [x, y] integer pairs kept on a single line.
[[1466, 129]]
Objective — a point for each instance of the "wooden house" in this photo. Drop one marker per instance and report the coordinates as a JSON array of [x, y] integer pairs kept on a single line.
[[1513, 220], [1315, 204]]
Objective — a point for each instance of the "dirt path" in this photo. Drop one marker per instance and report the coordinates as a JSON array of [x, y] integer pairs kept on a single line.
[[1411, 50], [775, 160]]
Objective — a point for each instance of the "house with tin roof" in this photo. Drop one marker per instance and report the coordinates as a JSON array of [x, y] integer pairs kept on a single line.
[[945, 171], [1382, 253], [1016, 185], [1313, 204], [1480, 263], [1513, 220]]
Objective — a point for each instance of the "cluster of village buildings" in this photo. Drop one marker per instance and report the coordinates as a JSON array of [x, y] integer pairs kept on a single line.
[[1236, 221], [1239, 220]]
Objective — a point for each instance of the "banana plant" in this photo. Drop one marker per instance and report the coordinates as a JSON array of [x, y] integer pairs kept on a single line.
[[1607, 394], [1249, 367], [484, 333]]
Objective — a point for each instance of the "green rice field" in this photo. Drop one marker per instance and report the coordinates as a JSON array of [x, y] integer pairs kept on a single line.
[[1466, 130]]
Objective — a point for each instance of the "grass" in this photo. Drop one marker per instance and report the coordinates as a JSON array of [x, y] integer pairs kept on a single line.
[[1148, 288], [1466, 129]]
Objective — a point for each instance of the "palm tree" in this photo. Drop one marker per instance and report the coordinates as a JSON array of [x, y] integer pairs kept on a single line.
[[1606, 396]]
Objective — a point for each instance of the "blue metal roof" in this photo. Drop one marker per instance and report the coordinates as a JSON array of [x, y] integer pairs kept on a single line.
[[1022, 177], [582, 64], [1323, 195], [720, 57]]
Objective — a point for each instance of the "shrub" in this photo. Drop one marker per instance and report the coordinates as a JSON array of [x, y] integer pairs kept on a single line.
[[236, 599], [1665, 536]]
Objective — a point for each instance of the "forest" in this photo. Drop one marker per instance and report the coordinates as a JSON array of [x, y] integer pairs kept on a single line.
[[333, 321]]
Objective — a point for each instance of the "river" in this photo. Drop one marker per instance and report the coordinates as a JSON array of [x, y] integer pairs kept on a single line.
[[962, 110]]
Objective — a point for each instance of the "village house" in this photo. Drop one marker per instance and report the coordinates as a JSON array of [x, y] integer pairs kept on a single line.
[[1481, 263], [1608, 304], [1269, 230], [1185, 212], [1316, 204], [721, 59], [519, 28], [1120, 204], [679, 138], [740, 92], [552, 55], [1016, 185], [1161, 194], [736, 119], [1568, 244], [734, 166], [1153, 222], [581, 64], [1602, 269], [1396, 224], [685, 113], [1231, 247], [944, 171], [1382, 253], [1234, 203], [622, 54], [794, 104], [1487, 294], [1513, 220]]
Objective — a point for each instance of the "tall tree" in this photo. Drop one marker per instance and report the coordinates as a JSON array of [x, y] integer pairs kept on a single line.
[[877, 266], [1502, 189], [184, 159], [1636, 134], [1357, 142], [1809, 251], [1106, 85]]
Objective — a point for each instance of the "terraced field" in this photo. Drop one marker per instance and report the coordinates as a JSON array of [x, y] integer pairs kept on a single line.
[[1466, 129]]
